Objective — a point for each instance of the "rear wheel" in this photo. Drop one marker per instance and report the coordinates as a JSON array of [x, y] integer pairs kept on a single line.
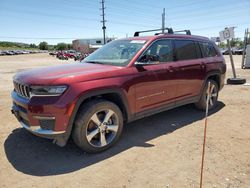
[[98, 126], [214, 92]]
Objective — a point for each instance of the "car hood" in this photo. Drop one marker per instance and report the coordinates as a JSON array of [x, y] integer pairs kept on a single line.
[[63, 74]]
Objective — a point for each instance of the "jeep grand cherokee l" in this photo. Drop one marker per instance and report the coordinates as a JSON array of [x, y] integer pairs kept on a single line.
[[125, 80]]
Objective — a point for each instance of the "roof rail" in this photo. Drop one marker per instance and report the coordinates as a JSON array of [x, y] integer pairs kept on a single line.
[[188, 32], [170, 31]]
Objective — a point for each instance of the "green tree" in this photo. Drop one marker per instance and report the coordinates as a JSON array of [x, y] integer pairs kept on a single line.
[[222, 45], [61, 46], [43, 45], [237, 42], [70, 46], [32, 46]]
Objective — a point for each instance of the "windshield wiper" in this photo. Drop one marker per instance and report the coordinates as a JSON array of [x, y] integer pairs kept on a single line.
[[94, 62]]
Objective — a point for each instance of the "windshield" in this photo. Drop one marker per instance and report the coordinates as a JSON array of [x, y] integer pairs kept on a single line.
[[118, 52]]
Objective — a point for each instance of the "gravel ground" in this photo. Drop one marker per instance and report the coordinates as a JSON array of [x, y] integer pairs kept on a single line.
[[163, 150]]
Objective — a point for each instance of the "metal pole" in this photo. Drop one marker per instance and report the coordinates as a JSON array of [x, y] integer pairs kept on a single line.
[[244, 48], [231, 58], [103, 22], [205, 132], [163, 21]]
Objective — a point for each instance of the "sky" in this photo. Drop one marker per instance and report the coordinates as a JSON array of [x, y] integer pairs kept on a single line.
[[54, 21]]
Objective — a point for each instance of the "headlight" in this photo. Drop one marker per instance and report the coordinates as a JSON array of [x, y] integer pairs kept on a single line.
[[47, 90]]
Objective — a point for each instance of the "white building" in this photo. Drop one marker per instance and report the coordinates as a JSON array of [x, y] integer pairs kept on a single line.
[[88, 45]]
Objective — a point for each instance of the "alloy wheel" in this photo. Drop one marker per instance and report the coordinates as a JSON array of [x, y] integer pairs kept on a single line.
[[102, 128], [213, 92]]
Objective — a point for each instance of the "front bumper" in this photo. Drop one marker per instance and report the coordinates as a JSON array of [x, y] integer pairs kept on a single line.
[[35, 129], [42, 117]]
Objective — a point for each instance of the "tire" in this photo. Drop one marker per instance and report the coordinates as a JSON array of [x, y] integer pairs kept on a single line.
[[236, 81], [201, 105], [92, 133]]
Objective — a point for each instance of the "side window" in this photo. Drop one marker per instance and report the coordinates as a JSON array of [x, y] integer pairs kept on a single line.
[[185, 49], [163, 49], [207, 49], [198, 50]]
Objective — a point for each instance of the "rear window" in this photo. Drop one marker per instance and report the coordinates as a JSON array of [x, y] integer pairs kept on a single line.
[[207, 49], [185, 49]]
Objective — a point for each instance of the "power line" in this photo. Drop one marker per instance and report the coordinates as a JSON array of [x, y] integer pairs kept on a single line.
[[41, 38], [195, 29]]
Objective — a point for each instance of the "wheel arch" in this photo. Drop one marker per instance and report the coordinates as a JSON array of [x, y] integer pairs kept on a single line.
[[114, 95], [213, 75], [216, 77]]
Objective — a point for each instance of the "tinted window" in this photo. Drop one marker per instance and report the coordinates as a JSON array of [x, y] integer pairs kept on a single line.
[[198, 50], [185, 49], [163, 49], [207, 49]]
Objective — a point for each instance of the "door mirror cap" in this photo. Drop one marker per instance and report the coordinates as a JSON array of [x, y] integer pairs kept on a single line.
[[148, 60]]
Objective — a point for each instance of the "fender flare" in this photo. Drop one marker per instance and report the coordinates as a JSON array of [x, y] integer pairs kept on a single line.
[[212, 73], [94, 93]]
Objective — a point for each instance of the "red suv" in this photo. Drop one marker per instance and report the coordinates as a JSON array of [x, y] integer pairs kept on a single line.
[[125, 80]]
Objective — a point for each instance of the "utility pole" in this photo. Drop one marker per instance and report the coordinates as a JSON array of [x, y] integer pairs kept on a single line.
[[163, 20], [103, 22]]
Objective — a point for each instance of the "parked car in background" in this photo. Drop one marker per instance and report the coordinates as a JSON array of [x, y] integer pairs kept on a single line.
[[2, 53], [238, 51], [223, 51], [70, 53], [53, 53], [62, 56], [9, 52]]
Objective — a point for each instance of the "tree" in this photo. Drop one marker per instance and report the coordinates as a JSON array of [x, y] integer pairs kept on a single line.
[[70, 46], [222, 45], [237, 42], [32, 46], [43, 46], [61, 46]]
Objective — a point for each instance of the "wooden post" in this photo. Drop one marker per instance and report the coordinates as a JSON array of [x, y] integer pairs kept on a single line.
[[205, 132], [231, 57]]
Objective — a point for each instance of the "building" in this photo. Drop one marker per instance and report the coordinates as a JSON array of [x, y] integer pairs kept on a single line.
[[88, 45]]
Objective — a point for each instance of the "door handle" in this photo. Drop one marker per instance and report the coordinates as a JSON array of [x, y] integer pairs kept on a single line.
[[170, 69], [203, 65]]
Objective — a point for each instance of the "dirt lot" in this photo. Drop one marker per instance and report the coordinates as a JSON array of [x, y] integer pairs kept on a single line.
[[160, 151]]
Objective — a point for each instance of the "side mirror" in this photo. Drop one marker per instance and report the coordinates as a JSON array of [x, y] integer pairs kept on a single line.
[[148, 60]]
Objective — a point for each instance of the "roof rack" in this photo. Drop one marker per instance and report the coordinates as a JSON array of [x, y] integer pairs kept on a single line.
[[169, 31], [188, 32]]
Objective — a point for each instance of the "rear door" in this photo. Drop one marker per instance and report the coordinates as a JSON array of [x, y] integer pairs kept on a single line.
[[191, 68]]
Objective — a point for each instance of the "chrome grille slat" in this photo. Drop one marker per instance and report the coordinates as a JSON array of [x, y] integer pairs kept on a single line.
[[21, 89], [25, 91]]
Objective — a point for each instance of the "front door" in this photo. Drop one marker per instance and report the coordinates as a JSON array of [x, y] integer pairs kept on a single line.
[[156, 83]]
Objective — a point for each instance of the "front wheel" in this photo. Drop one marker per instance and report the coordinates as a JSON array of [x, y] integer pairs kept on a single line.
[[214, 92], [98, 126]]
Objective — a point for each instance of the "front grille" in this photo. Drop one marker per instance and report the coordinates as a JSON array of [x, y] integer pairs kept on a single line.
[[22, 89]]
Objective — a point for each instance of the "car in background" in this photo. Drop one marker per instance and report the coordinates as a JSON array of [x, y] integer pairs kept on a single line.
[[70, 53], [224, 51], [9, 52], [53, 53], [238, 51], [2, 53]]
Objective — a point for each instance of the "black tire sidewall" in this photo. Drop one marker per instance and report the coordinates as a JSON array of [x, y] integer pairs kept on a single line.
[[202, 103], [83, 118]]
